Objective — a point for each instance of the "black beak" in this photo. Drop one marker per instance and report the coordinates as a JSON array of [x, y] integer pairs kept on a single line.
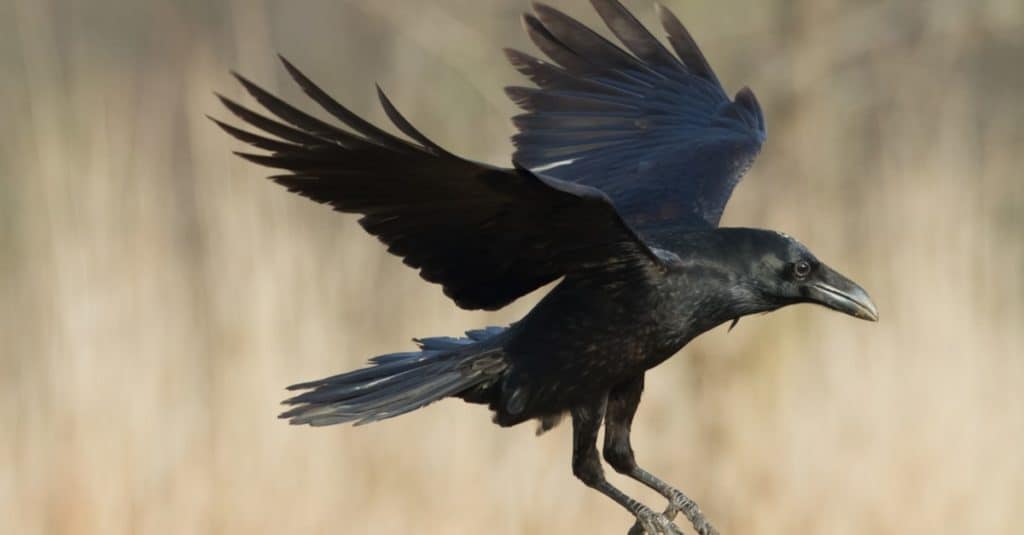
[[835, 291]]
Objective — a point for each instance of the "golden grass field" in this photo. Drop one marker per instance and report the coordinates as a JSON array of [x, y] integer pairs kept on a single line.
[[156, 294]]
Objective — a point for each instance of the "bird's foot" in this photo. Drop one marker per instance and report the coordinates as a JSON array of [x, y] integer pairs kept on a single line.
[[679, 502], [649, 522]]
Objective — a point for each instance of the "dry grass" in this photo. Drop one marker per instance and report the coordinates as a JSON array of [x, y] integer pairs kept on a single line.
[[157, 294]]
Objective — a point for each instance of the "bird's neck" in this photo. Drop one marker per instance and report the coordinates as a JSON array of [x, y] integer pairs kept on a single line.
[[710, 287]]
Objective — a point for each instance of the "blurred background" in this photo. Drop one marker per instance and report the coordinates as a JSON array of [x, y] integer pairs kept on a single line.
[[157, 294]]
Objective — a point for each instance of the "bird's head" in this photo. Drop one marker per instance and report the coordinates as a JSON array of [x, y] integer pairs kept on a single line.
[[777, 271]]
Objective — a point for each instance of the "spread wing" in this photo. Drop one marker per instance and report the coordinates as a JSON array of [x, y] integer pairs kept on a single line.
[[487, 235], [653, 130]]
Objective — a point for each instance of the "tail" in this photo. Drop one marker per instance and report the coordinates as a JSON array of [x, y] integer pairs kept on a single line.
[[401, 382]]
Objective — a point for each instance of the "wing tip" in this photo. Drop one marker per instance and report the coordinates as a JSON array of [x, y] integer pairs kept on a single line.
[[518, 58], [685, 45], [746, 99], [535, 29], [659, 8], [406, 126], [250, 86], [520, 96], [234, 107], [539, 6], [229, 129]]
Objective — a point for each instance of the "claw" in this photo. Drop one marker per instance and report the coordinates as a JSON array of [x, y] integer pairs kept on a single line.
[[679, 502], [649, 522]]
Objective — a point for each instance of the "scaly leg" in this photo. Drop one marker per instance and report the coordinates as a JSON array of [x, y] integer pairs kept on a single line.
[[586, 465], [623, 401]]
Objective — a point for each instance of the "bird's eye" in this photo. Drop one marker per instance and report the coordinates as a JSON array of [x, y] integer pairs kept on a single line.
[[801, 269]]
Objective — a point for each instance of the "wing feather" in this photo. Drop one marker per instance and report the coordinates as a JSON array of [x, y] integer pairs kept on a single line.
[[653, 130], [634, 35], [487, 235]]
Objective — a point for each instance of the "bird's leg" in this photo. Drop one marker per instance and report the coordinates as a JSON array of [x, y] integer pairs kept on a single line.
[[586, 465], [623, 401]]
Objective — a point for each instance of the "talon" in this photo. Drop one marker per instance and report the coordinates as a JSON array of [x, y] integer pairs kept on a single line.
[[681, 503], [649, 522], [667, 527]]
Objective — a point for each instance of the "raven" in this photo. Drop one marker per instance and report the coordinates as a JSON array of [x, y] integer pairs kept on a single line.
[[624, 162]]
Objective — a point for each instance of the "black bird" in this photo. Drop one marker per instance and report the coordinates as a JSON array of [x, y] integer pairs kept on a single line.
[[624, 163]]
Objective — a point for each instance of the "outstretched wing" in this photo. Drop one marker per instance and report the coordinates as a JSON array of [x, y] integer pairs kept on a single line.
[[487, 235], [653, 130]]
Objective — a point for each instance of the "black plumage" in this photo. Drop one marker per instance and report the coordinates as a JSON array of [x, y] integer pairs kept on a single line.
[[655, 132], [625, 160]]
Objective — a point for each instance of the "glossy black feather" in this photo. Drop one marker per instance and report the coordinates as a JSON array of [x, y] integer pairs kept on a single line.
[[342, 113], [597, 51], [487, 235], [656, 132], [258, 141], [545, 74], [686, 47], [632, 33], [404, 125], [550, 45]]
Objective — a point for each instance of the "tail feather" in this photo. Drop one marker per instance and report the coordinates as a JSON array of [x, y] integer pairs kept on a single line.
[[398, 383]]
